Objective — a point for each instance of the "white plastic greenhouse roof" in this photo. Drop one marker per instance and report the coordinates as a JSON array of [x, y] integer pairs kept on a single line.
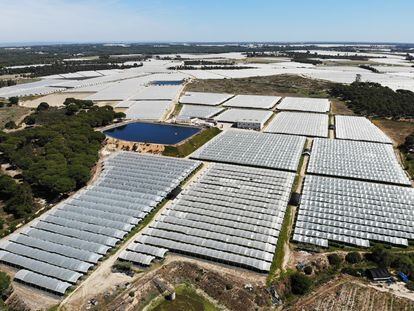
[[200, 98], [299, 123], [231, 214], [254, 149], [41, 281], [358, 160], [157, 92], [66, 242], [305, 104], [198, 111], [252, 101], [359, 128], [354, 212], [244, 115], [148, 109]]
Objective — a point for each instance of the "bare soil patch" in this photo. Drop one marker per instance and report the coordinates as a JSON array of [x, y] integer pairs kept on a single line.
[[226, 289], [15, 113], [397, 130], [340, 108], [349, 294]]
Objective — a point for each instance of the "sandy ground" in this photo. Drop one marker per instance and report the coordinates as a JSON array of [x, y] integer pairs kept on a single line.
[[54, 100], [33, 298]]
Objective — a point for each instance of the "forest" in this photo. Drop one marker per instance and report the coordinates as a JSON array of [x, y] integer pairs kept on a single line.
[[55, 155], [374, 100]]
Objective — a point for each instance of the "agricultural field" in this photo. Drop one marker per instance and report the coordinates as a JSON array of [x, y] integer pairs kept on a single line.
[[351, 295]]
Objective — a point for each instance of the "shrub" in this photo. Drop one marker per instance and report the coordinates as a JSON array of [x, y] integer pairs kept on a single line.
[[353, 257], [29, 120], [71, 109], [4, 285], [13, 100], [300, 283], [334, 259], [308, 270], [122, 266], [42, 106], [381, 256], [410, 285], [10, 125]]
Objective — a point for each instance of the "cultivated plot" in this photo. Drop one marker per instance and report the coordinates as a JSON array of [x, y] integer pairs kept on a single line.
[[231, 214], [254, 149], [207, 99], [299, 123], [252, 101], [359, 128], [198, 111], [65, 243], [357, 160], [321, 105], [354, 212]]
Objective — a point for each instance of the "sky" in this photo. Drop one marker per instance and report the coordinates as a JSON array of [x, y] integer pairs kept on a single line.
[[206, 20]]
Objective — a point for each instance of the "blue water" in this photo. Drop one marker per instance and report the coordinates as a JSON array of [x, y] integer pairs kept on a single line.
[[165, 134]]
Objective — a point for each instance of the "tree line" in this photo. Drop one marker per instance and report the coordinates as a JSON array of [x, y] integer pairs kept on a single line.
[[375, 100], [63, 67]]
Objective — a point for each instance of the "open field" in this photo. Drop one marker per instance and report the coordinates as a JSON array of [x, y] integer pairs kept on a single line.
[[186, 299], [227, 290], [340, 108], [54, 100], [351, 295], [280, 85], [397, 130], [192, 144], [14, 113]]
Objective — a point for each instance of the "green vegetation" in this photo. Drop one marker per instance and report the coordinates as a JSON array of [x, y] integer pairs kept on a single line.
[[408, 153], [300, 283], [335, 260], [373, 99], [54, 158], [18, 198], [353, 257], [370, 68], [309, 56], [122, 266], [186, 299], [192, 144], [13, 113], [278, 85], [13, 101], [9, 82], [10, 125], [5, 288], [277, 262]]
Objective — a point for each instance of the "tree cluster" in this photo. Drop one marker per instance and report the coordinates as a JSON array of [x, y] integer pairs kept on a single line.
[[370, 68], [57, 157], [383, 257], [4, 83], [64, 67], [18, 198], [373, 99]]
